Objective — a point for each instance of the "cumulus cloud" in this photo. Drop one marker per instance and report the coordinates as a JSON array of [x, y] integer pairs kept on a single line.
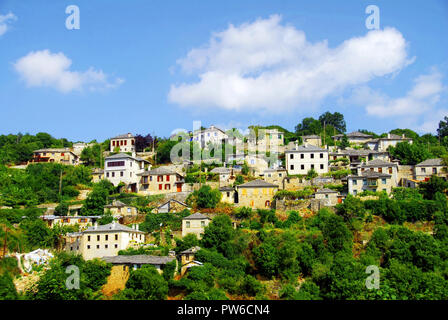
[[267, 66], [46, 69], [4, 22], [418, 108]]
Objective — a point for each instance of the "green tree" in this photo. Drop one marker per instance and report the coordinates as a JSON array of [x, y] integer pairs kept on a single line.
[[7, 288], [145, 284], [218, 233], [433, 186], [334, 119], [205, 197], [61, 209]]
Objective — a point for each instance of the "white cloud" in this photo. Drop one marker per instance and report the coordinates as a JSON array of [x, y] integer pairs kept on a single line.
[[46, 69], [418, 108], [267, 66], [4, 21]]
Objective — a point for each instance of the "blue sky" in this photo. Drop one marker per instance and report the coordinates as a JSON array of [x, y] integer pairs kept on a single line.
[[155, 66]]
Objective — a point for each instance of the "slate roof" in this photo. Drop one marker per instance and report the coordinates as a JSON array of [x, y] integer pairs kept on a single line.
[[157, 172], [111, 227], [430, 163], [124, 155], [226, 189], [116, 204], [139, 259], [355, 134], [191, 250], [179, 202], [57, 150], [220, 170], [370, 174], [326, 190], [312, 136], [123, 136], [306, 148], [196, 216], [378, 163], [257, 184]]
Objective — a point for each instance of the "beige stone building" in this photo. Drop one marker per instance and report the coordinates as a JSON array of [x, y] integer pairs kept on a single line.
[[124, 142], [55, 155], [328, 196], [228, 194], [195, 224], [172, 205], [355, 137], [424, 170], [256, 194], [160, 181], [381, 166], [275, 176], [97, 175], [120, 209], [187, 259], [103, 241], [381, 144], [371, 181], [313, 140]]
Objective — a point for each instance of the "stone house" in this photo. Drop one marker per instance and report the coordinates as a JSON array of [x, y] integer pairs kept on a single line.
[[424, 170], [103, 241], [275, 176], [212, 135], [381, 166], [355, 137], [256, 194], [120, 209], [381, 144], [228, 194], [55, 155], [172, 205], [303, 158], [160, 181], [370, 180], [327, 196], [313, 140], [125, 143], [195, 224], [187, 259]]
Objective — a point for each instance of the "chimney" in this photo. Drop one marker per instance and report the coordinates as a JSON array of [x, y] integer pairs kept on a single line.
[[388, 136], [113, 224], [136, 227], [95, 226], [403, 136]]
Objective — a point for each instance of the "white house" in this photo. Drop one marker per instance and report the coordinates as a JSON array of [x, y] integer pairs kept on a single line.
[[303, 158], [125, 168], [381, 144], [424, 170]]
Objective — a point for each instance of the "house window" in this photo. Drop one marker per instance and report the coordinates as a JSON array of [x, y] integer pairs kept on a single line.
[[302, 156], [188, 224], [390, 170], [121, 173], [106, 237], [113, 174], [434, 170], [167, 178], [291, 167], [312, 155], [321, 155], [202, 223], [380, 170], [355, 192], [355, 182], [364, 182], [107, 174], [115, 163], [88, 247], [150, 178], [160, 186], [167, 187], [106, 246], [116, 246], [321, 166], [423, 170], [302, 167], [312, 166], [383, 181], [88, 238], [116, 237], [228, 194], [291, 156]]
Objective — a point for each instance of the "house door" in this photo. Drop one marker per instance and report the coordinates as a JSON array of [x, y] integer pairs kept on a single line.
[[179, 187], [267, 204]]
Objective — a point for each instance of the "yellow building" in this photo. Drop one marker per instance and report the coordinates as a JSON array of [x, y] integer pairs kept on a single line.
[[228, 195], [121, 209], [103, 241], [195, 224], [256, 194], [159, 181], [81, 221], [56, 155], [187, 259]]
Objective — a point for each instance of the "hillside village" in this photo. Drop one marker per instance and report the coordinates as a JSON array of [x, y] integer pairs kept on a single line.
[[269, 214]]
